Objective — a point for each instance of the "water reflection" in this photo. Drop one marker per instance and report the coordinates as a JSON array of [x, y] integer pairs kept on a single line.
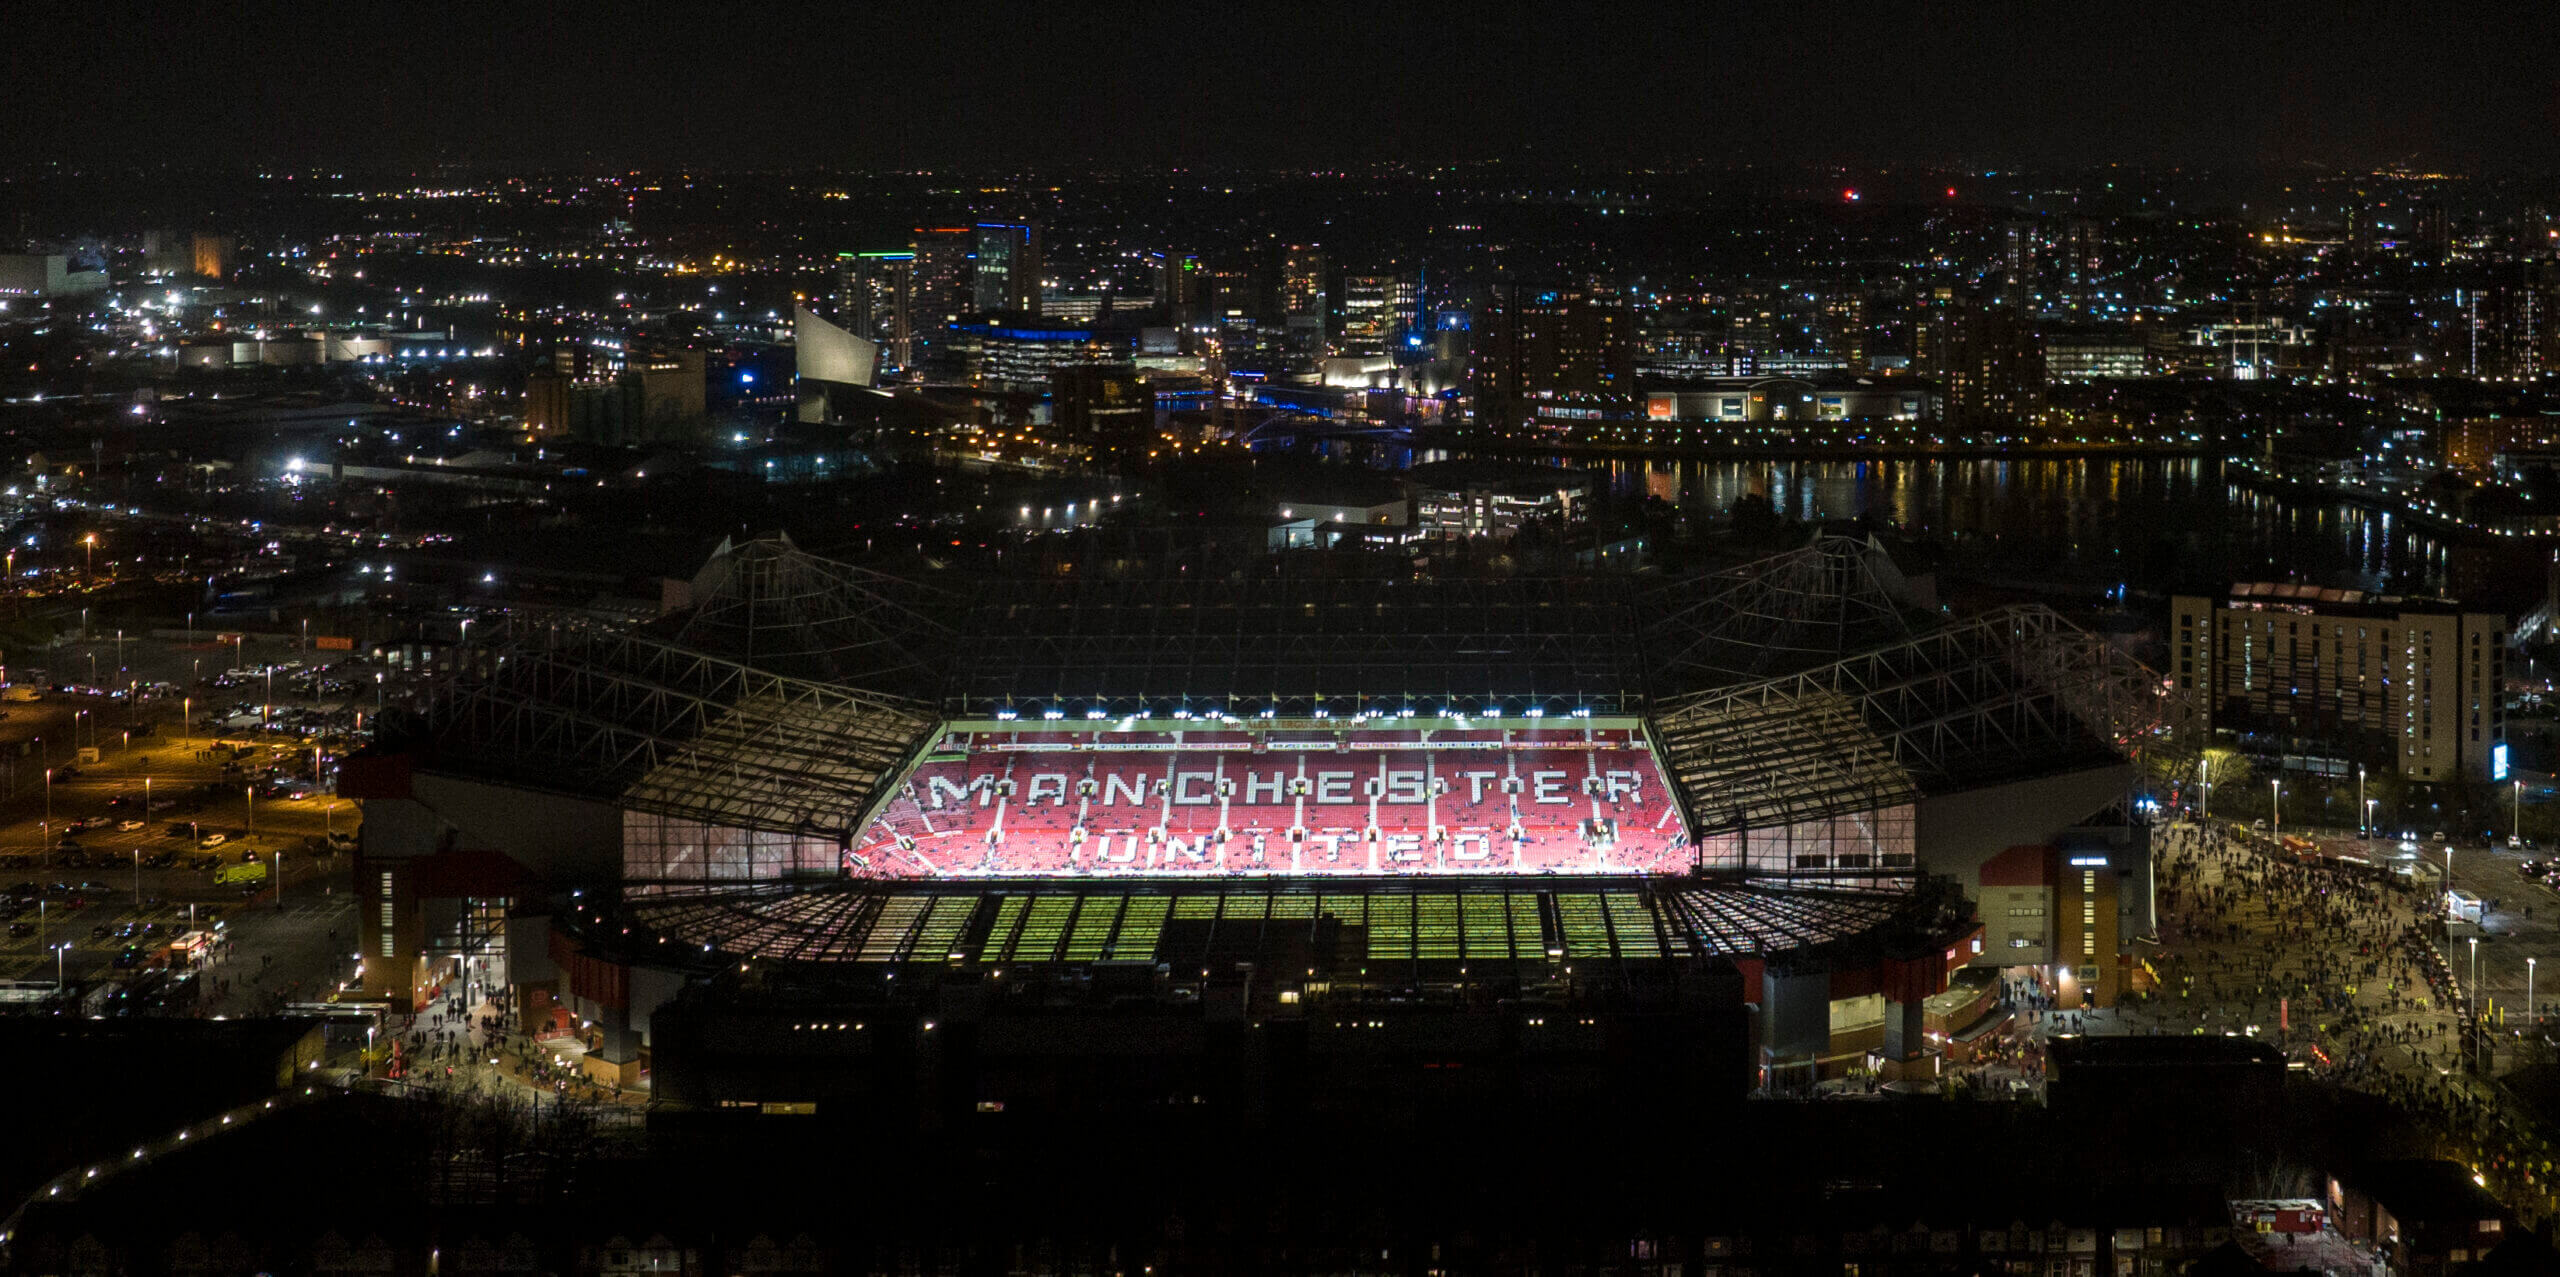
[[2150, 521]]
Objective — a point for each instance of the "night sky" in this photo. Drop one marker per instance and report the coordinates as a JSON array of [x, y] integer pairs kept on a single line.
[[2464, 86]]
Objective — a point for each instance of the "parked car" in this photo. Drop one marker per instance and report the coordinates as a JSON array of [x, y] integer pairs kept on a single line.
[[214, 840]]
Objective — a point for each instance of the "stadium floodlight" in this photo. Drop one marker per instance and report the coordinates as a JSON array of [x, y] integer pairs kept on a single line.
[[1582, 711], [1322, 712], [1182, 713], [1005, 716], [1406, 712], [1269, 711], [1053, 714], [1537, 711], [1097, 713]]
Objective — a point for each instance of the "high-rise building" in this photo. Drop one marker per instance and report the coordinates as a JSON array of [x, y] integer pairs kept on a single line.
[[2431, 233], [1006, 275], [1843, 327], [2330, 679], [1182, 289], [2018, 265], [875, 298], [1551, 356], [2510, 330], [1304, 304], [938, 291], [1379, 312], [2082, 264], [1990, 363]]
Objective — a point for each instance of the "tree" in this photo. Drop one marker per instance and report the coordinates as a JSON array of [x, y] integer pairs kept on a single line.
[[2221, 769]]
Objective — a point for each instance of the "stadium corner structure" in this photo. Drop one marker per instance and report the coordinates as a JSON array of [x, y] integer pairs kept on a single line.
[[821, 840]]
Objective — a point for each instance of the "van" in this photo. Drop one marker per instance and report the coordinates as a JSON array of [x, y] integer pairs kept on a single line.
[[21, 692], [253, 871]]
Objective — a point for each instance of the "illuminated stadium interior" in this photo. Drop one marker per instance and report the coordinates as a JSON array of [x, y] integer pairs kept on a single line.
[[814, 761]]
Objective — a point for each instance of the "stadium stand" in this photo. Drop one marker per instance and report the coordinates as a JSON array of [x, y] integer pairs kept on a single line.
[[1361, 801]]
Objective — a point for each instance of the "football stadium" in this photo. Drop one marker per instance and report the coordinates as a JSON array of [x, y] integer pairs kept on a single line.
[[1125, 832]]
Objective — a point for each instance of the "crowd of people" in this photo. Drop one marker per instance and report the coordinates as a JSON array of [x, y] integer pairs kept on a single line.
[[2345, 962]]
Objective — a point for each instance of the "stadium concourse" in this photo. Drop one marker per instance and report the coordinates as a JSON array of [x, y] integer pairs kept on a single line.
[[1696, 816]]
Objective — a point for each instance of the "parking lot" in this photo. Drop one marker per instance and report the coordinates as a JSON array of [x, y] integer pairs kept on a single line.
[[120, 820]]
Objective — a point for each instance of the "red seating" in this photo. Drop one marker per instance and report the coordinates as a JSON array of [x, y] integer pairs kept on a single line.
[[1575, 801]]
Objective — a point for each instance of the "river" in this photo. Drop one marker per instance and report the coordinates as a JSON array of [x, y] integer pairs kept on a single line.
[[2153, 523]]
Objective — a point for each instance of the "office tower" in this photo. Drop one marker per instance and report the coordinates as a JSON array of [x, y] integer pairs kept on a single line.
[[1379, 312], [1550, 355], [1006, 275]]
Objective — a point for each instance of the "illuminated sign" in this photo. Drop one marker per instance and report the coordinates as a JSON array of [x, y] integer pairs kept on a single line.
[[2088, 862], [2498, 761]]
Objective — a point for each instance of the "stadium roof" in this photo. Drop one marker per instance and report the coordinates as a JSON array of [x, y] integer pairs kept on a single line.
[[1796, 687], [2008, 695]]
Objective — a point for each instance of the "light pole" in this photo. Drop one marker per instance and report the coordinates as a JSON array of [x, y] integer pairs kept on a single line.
[[58, 951], [250, 829], [2515, 813], [89, 547], [137, 877], [48, 805], [2471, 1005], [267, 708], [2204, 777], [279, 859], [2275, 810], [239, 645], [2367, 828], [2532, 1010]]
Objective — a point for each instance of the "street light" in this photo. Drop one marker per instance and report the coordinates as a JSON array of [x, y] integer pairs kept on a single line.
[[2472, 1008], [58, 951], [2515, 813], [2365, 829], [279, 859], [2532, 1010], [2275, 809], [137, 877], [89, 547], [48, 803]]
